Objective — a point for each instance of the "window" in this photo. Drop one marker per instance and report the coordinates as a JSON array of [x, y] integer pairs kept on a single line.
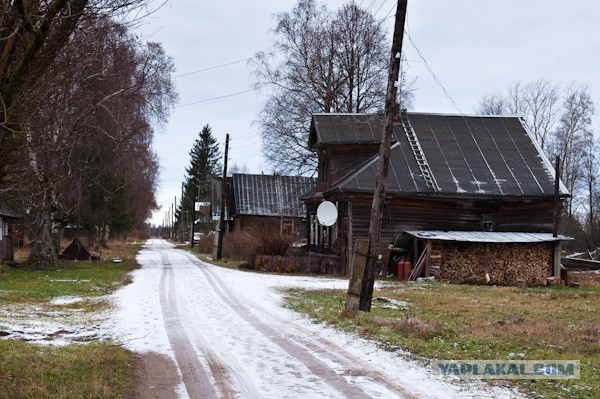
[[487, 222]]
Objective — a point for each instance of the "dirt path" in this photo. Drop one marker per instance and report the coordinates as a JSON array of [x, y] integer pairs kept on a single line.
[[224, 344], [317, 355], [155, 376], [207, 332], [196, 377]]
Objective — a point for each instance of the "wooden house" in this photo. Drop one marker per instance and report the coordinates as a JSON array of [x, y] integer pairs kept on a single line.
[[270, 202], [7, 217], [454, 174]]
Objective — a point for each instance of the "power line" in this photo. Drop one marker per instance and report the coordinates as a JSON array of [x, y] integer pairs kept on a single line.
[[222, 65], [388, 15], [382, 4], [220, 97], [271, 53], [251, 138], [210, 68], [252, 133], [435, 78]]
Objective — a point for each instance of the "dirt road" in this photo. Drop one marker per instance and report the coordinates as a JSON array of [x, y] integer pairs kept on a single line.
[[208, 332], [227, 345]]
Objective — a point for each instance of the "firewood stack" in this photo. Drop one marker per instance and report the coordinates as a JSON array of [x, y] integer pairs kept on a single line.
[[507, 264]]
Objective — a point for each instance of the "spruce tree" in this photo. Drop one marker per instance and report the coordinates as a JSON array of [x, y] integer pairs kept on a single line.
[[205, 160]]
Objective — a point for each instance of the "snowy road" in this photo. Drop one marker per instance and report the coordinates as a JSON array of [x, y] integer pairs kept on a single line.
[[229, 338]]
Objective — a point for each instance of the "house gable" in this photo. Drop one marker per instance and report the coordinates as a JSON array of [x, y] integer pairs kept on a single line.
[[343, 143], [346, 129], [466, 156]]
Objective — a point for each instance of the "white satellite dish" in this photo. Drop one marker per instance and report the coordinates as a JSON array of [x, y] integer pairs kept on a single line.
[[327, 213]]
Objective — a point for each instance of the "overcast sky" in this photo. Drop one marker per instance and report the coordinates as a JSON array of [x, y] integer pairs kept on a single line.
[[472, 48]]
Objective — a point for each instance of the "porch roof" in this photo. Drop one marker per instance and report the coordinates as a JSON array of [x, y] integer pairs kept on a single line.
[[486, 236], [6, 212]]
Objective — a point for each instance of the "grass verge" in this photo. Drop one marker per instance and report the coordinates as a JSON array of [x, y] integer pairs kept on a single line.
[[75, 371], [94, 370], [478, 323]]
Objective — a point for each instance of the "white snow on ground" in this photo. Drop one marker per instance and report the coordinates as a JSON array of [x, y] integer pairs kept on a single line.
[[238, 318], [208, 320], [51, 324]]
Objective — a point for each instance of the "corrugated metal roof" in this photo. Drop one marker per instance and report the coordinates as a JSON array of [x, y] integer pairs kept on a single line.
[[7, 212], [486, 236], [270, 195], [467, 155]]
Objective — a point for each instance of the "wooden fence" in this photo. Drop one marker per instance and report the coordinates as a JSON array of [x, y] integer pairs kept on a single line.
[[306, 264]]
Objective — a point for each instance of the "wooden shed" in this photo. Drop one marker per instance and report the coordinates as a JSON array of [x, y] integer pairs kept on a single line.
[[77, 250], [452, 173], [7, 218]]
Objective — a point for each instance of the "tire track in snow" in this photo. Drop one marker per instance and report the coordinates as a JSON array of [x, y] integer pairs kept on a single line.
[[307, 351], [197, 382]]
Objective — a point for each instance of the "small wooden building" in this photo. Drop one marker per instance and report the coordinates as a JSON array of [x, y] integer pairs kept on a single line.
[[270, 202], [7, 218], [451, 173]]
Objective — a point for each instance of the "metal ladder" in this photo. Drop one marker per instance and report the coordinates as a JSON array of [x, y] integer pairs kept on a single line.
[[415, 146]]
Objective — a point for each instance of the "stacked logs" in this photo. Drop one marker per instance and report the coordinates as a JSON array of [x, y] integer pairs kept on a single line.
[[515, 264]]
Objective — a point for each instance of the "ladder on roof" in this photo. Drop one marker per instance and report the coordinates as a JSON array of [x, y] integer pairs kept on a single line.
[[415, 146]]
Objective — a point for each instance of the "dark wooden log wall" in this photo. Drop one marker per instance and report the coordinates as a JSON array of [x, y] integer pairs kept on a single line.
[[270, 223], [442, 214]]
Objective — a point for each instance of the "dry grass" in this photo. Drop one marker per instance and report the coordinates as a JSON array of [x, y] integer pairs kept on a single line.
[[115, 248], [481, 322], [95, 370], [91, 371]]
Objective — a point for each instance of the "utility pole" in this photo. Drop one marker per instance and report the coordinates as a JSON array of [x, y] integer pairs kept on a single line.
[[182, 229], [391, 111], [223, 200], [174, 219]]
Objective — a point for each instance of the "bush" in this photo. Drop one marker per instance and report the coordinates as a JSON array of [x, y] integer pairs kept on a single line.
[[240, 246], [245, 245], [206, 243], [273, 243]]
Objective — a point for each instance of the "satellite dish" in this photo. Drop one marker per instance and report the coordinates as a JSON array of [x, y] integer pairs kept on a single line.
[[327, 213]]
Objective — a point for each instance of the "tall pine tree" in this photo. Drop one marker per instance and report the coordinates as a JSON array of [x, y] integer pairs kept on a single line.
[[205, 157]]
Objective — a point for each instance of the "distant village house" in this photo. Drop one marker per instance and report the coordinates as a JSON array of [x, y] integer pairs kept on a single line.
[[270, 203], [7, 218]]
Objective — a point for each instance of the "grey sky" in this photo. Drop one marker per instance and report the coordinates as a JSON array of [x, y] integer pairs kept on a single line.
[[474, 48]]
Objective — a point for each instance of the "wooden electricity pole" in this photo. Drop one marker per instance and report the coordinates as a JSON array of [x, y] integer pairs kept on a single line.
[[390, 112], [223, 200]]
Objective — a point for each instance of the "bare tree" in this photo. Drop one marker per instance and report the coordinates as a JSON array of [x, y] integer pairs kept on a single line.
[[323, 62], [591, 169], [494, 104], [89, 130], [568, 141], [562, 128], [32, 35], [537, 102]]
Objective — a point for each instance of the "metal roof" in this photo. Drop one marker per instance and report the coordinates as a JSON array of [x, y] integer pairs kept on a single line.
[[466, 155], [7, 212], [270, 195], [332, 128], [486, 236]]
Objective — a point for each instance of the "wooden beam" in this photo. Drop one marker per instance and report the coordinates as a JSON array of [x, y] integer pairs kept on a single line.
[[359, 262], [416, 271]]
